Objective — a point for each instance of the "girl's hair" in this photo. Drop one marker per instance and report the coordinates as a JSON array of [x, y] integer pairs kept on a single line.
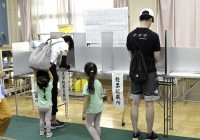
[[69, 39], [91, 71], [42, 83]]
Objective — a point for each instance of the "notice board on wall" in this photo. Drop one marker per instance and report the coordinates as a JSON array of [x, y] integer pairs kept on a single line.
[[106, 20]]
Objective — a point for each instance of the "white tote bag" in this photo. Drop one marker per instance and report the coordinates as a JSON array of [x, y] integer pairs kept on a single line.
[[41, 56]]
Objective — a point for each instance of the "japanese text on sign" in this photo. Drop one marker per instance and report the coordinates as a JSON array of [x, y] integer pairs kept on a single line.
[[63, 79], [117, 90]]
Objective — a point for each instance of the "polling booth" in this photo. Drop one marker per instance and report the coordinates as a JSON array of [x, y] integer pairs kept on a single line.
[[187, 67], [21, 52], [84, 53]]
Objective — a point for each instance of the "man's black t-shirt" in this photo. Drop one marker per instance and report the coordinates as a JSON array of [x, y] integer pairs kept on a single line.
[[146, 40]]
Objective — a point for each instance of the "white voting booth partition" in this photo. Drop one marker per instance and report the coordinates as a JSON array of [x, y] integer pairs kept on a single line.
[[80, 51], [108, 67], [116, 64], [185, 65], [180, 62], [84, 53], [106, 57], [121, 60], [107, 52], [21, 53]]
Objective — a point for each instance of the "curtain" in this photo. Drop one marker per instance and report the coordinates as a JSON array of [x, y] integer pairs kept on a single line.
[[185, 23], [180, 16], [24, 6], [120, 3], [47, 15], [14, 29], [165, 19]]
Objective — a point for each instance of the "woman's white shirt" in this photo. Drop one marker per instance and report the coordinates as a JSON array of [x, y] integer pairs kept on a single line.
[[58, 48]]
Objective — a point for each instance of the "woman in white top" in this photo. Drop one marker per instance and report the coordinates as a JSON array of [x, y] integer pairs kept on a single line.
[[61, 47]]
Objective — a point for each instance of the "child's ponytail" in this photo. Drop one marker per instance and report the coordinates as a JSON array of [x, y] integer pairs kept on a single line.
[[91, 71]]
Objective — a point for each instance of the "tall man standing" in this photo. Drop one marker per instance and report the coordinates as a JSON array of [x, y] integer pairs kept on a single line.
[[148, 41]]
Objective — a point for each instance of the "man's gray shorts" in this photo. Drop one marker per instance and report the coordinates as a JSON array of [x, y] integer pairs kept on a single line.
[[149, 89]]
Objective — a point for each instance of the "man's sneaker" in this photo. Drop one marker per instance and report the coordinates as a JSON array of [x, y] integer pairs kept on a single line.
[[49, 134], [42, 133], [136, 136], [152, 136], [57, 124]]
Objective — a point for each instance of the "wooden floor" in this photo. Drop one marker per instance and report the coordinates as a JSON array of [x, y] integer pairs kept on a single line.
[[186, 115]]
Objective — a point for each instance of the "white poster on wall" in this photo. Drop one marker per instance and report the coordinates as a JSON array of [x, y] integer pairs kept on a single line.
[[113, 20]]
